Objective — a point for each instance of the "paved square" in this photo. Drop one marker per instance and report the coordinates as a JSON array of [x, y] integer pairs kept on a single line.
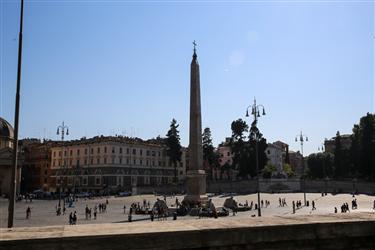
[[43, 211]]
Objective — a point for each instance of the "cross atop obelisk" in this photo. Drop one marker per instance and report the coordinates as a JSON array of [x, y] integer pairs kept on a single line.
[[196, 177]]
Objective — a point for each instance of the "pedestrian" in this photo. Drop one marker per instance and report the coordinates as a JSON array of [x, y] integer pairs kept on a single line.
[[124, 209], [294, 207], [71, 218], [335, 210], [75, 218], [28, 213], [313, 205]]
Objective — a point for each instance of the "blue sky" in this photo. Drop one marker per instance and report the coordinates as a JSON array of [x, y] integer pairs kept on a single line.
[[122, 67]]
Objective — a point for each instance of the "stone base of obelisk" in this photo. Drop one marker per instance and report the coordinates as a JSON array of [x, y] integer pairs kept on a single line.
[[195, 188]]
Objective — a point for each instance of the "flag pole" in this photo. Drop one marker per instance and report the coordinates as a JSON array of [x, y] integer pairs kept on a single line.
[[13, 182]]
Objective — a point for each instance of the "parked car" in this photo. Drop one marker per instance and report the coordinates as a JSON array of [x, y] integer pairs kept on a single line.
[[124, 194]]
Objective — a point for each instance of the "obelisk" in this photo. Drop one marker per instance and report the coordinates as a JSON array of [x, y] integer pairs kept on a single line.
[[195, 176]]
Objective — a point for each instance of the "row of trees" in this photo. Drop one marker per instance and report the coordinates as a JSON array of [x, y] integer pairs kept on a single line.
[[243, 143], [243, 147], [356, 161]]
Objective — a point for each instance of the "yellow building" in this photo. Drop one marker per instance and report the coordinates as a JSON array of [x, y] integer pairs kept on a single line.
[[112, 164]]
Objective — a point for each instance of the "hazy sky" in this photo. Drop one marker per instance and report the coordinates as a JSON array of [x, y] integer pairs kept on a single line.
[[122, 67]]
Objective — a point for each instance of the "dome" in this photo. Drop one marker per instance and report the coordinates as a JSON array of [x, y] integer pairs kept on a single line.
[[6, 129]]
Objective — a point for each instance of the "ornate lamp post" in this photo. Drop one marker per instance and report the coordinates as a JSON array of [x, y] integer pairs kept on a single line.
[[302, 138], [63, 130], [255, 111]]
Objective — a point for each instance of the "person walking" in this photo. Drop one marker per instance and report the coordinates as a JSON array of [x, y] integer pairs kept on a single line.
[[28, 213]]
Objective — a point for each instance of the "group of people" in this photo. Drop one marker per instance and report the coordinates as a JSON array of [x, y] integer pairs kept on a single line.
[[58, 209], [73, 218], [344, 208], [282, 202]]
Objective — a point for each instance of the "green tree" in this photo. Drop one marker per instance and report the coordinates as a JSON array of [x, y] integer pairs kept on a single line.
[[288, 170], [320, 165], [256, 135], [244, 156], [268, 170], [367, 145], [238, 146], [173, 146], [209, 154]]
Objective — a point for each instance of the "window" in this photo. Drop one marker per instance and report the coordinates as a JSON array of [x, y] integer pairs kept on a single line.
[[120, 160], [85, 151], [85, 161], [92, 150], [84, 181], [153, 153], [113, 150], [54, 163], [148, 152], [159, 163], [98, 161], [70, 162], [127, 151], [134, 161], [59, 153], [92, 161], [140, 152], [77, 163], [127, 160], [77, 151], [134, 151], [97, 180], [98, 150], [54, 153], [146, 162], [105, 160], [65, 152], [105, 150], [228, 154], [159, 153], [140, 162], [120, 150], [153, 163], [71, 152], [268, 152]]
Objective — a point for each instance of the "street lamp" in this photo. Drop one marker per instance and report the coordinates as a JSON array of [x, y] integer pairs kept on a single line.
[[302, 138], [255, 111], [63, 130]]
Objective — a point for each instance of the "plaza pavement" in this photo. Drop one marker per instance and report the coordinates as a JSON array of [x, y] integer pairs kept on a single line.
[[43, 211]]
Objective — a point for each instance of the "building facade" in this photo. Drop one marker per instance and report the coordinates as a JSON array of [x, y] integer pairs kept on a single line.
[[6, 156], [275, 155], [346, 142], [111, 164], [36, 170]]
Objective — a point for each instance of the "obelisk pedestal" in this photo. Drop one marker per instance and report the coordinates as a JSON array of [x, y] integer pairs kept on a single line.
[[196, 176]]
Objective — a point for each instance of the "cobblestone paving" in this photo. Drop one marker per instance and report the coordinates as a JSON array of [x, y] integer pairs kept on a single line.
[[43, 211]]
